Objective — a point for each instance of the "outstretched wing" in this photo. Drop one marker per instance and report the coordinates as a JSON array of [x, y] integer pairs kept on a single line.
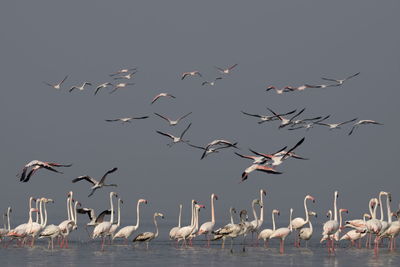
[[347, 121], [184, 116], [253, 115], [166, 134], [85, 177], [101, 216], [293, 148], [162, 117], [351, 76], [107, 173], [184, 131]]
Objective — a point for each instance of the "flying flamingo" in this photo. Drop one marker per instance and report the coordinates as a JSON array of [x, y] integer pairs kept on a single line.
[[212, 83], [122, 71], [80, 88], [94, 220], [282, 233], [341, 81], [36, 165], [227, 70], [363, 122], [96, 184], [207, 227], [331, 226], [175, 139], [148, 236], [266, 233], [190, 73], [173, 122], [120, 85], [258, 167], [306, 233], [128, 119], [298, 223], [161, 95], [126, 232], [279, 91], [265, 118], [58, 85], [102, 229], [101, 86], [174, 230], [126, 76]]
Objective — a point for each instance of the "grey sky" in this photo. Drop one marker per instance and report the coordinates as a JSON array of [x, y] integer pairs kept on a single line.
[[285, 43]]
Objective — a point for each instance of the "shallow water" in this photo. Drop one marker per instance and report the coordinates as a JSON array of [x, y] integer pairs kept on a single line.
[[162, 252]]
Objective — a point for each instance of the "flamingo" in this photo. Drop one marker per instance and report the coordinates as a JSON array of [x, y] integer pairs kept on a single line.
[[336, 236], [258, 167], [340, 82], [37, 228], [279, 91], [354, 235], [363, 122], [20, 232], [126, 232], [57, 85], [374, 225], [335, 125], [175, 139], [385, 224], [285, 122], [249, 225], [266, 233], [148, 236], [173, 122], [6, 229], [321, 85], [96, 184], [190, 73], [282, 233], [306, 233], [127, 76], [265, 118], [122, 71], [36, 165], [102, 229], [128, 119], [94, 220], [393, 231], [68, 226], [207, 227], [223, 231], [331, 226], [258, 223], [212, 83], [185, 232], [161, 95], [227, 70], [80, 88], [101, 86], [174, 230], [210, 150], [120, 85], [298, 223], [114, 226]]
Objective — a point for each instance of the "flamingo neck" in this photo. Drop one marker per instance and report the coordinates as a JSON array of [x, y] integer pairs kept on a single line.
[[4, 222], [8, 219], [75, 219], [306, 210], [374, 212], [38, 206], [180, 216], [196, 220], [389, 211], [112, 209], [273, 221], [30, 217], [230, 211], [381, 206], [212, 209], [71, 210], [68, 210], [45, 215], [155, 223], [254, 211], [137, 215], [262, 206], [119, 212], [335, 209], [193, 211], [310, 224], [290, 221], [340, 220]]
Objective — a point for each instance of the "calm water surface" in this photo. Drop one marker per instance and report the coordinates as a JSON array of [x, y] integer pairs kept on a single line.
[[85, 252]]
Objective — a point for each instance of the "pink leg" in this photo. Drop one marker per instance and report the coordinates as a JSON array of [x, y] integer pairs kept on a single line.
[[282, 249]]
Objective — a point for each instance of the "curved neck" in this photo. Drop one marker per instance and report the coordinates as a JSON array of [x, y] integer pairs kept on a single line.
[[306, 210], [45, 215], [273, 221], [30, 202], [262, 206], [389, 211], [370, 208], [196, 220], [374, 212], [340, 220], [112, 209], [335, 209], [309, 223], [8, 219], [30, 217], [119, 212], [71, 210], [230, 211], [155, 223], [381, 206], [195, 217], [137, 215], [212, 209], [68, 209], [254, 211], [180, 216]]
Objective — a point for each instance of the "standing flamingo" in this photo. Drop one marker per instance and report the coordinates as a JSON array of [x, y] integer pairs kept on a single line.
[[148, 236], [354, 234], [331, 226], [20, 232], [222, 232], [114, 226], [258, 223], [126, 232], [207, 227], [175, 229], [266, 233], [186, 231], [282, 233], [306, 233], [298, 223], [103, 228], [374, 225], [6, 229]]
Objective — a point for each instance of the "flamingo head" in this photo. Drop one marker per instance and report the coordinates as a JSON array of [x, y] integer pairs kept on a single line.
[[70, 193], [122, 202], [329, 213], [232, 210], [142, 201], [264, 192], [310, 198], [215, 196], [158, 214], [344, 210], [336, 194], [276, 212]]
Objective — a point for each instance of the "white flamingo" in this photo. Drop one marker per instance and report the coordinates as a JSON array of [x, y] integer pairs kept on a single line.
[[298, 223], [185, 232], [174, 230], [6, 228], [374, 225], [57, 85], [207, 227], [257, 224], [102, 229], [331, 226], [115, 226], [306, 233], [20, 232], [126, 232], [266, 233], [282, 233], [223, 231], [148, 236], [354, 235]]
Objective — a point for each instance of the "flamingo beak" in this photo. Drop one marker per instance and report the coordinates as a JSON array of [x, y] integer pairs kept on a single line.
[[216, 197]]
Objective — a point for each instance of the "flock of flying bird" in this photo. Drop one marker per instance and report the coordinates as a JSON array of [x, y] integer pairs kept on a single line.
[[263, 162]]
